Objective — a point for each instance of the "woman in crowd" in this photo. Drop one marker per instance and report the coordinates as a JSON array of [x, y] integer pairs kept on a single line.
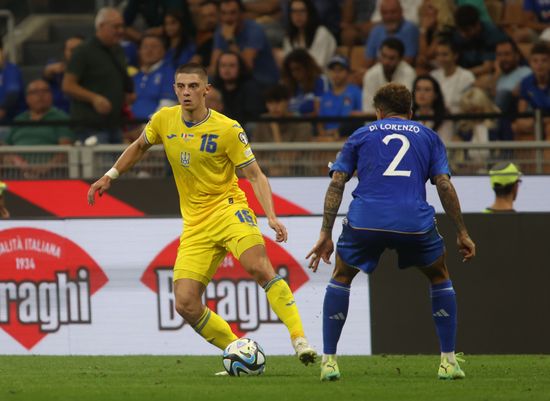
[[304, 78], [304, 32], [180, 45], [428, 102]]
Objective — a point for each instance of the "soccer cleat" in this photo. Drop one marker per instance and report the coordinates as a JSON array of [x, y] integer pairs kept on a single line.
[[450, 371], [306, 354], [329, 369]]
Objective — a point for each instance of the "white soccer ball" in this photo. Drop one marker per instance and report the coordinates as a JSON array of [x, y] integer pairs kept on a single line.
[[244, 357]]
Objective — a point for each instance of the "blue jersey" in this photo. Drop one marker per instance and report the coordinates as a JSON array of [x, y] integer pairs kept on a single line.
[[393, 158]]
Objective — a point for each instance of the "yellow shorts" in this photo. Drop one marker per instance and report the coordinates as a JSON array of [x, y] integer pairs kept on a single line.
[[203, 246]]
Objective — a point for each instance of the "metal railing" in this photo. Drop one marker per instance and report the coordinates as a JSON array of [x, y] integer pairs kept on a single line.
[[300, 159]]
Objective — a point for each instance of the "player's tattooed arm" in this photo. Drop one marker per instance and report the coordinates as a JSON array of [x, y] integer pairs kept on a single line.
[[333, 199], [449, 200]]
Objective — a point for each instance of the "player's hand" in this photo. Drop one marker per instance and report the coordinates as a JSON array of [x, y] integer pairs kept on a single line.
[[280, 230], [102, 105], [100, 186], [466, 247], [322, 250]]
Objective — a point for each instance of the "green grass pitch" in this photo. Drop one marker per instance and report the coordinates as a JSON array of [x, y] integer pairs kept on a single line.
[[135, 378]]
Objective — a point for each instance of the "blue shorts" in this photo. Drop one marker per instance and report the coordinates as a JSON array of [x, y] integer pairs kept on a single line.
[[361, 248]]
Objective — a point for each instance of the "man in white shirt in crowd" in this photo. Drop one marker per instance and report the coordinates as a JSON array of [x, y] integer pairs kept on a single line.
[[453, 79], [390, 68]]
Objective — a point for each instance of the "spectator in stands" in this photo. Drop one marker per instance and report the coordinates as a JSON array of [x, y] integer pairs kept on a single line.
[[507, 79], [4, 212], [356, 21], [304, 32], [12, 99], [476, 41], [267, 13], [277, 99], [97, 81], [393, 25], [207, 24], [476, 101], [390, 68], [152, 13], [40, 103], [536, 19], [40, 108], [304, 78], [154, 81], [241, 94], [508, 74], [342, 100], [282, 163], [54, 72], [410, 11], [181, 48], [428, 102], [214, 100], [453, 79], [436, 21], [505, 180], [247, 38], [534, 92]]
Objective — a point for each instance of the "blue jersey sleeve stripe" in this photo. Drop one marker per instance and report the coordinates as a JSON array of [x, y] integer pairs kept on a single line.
[[246, 163]]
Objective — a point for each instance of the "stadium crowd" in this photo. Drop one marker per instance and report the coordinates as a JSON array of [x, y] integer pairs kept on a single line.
[[312, 58]]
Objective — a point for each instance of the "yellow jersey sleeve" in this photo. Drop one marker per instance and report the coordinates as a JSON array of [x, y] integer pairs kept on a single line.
[[153, 134], [237, 147]]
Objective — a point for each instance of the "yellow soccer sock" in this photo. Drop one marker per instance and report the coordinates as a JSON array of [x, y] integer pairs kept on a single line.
[[282, 302], [214, 329]]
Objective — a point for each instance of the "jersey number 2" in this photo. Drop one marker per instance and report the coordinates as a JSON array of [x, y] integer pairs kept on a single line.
[[405, 145]]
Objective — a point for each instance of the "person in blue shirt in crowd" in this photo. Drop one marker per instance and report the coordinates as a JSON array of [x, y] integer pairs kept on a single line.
[[534, 92], [393, 25], [393, 158], [476, 41], [12, 89], [54, 71], [247, 38], [306, 82], [343, 99], [154, 82]]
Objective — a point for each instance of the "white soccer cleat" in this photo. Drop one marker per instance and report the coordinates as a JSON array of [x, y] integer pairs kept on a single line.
[[305, 352]]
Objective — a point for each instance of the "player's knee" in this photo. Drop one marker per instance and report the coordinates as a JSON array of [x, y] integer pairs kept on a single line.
[[189, 308], [261, 271]]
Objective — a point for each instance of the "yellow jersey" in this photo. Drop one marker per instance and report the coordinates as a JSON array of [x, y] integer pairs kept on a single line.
[[203, 157]]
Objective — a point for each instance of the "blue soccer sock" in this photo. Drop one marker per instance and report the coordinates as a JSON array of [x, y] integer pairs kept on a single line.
[[444, 314], [335, 312]]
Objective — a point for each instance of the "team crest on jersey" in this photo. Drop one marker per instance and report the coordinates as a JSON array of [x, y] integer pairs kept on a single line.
[[187, 137], [185, 159], [243, 138]]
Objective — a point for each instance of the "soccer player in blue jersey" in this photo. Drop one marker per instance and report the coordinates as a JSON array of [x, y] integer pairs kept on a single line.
[[393, 158]]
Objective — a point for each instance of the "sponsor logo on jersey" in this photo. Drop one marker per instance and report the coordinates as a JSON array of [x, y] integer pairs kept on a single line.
[[232, 293], [46, 282], [171, 136]]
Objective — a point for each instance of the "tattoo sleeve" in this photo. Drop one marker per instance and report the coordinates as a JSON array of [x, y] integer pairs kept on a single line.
[[450, 202], [333, 198]]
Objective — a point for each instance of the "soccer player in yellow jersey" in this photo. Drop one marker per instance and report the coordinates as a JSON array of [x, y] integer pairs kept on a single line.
[[204, 147]]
